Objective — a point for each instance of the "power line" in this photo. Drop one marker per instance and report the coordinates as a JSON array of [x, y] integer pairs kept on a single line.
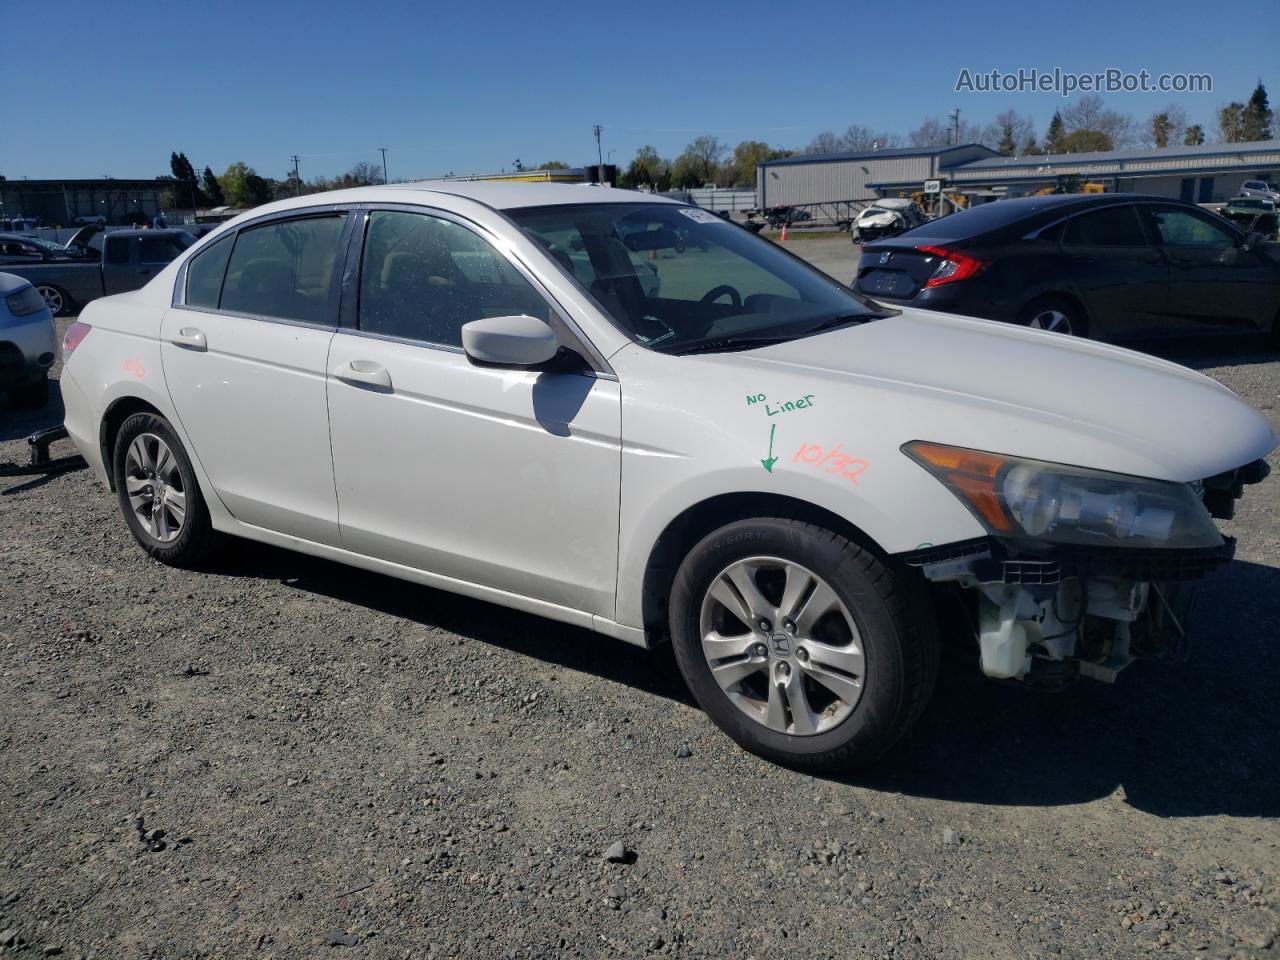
[[297, 179], [599, 154]]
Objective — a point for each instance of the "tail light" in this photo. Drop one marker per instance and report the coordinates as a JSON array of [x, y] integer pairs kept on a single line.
[[73, 338], [953, 266]]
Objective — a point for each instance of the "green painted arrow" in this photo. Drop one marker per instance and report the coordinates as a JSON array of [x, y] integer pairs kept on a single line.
[[771, 459]]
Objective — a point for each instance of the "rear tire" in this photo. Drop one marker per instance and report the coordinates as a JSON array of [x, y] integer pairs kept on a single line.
[[1054, 314], [812, 690], [30, 396], [158, 492]]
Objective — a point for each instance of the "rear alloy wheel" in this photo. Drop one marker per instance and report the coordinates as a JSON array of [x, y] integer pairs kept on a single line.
[[803, 647], [1056, 316], [158, 492], [58, 302]]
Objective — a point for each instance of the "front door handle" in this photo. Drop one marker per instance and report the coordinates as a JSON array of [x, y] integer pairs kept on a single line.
[[191, 337], [364, 372]]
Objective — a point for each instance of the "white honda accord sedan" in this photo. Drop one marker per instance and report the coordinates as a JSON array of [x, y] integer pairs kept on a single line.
[[625, 413]]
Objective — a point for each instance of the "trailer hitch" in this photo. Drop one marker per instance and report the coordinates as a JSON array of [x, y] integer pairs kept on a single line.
[[39, 460]]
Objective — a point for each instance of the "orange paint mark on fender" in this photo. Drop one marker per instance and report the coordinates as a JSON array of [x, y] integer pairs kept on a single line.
[[133, 366], [832, 461]]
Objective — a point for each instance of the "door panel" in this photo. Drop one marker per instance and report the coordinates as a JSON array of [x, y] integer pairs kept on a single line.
[[1214, 283], [501, 477], [249, 387], [120, 264], [1122, 278], [253, 404], [505, 478]]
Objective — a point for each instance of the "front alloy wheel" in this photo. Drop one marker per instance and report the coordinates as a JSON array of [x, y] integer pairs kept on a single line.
[[782, 646], [804, 647], [53, 299], [1051, 319]]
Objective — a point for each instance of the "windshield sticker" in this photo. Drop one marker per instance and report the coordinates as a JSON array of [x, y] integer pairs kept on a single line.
[[699, 216]]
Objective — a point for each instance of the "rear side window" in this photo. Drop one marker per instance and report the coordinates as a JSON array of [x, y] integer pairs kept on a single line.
[[117, 250], [283, 269], [1109, 227], [423, 278], [204, 275]]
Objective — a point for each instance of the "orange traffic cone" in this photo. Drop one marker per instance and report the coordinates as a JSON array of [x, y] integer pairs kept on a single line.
[[783, 238]]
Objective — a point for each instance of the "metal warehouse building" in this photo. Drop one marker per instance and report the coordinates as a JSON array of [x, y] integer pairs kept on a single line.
[[1210, 173], [839, 178], [60, 202]]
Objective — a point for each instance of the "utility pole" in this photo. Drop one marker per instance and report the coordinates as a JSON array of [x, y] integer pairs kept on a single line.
[[297, 180], [599, 155], [955, 126], [383, 151]]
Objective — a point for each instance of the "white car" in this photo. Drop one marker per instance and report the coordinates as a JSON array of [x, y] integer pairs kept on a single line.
[[886, 218], [791, 483], [1263, 189]]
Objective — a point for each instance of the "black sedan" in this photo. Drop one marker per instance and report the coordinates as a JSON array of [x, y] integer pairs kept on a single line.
[[1108, 266]]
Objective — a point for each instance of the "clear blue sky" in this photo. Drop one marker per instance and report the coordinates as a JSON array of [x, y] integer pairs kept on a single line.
[[471, 86]]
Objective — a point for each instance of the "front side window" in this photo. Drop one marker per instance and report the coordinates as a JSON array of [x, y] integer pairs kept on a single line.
[[423, 278], [677, 278], [284, 269], [204, 275], [1109, 227], [1182, 228]]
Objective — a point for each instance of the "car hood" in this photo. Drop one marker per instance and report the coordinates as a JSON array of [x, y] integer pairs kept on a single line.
[[1029, 393], [880, 217]]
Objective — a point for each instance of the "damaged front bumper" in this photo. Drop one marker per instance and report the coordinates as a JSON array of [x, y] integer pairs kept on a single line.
[[1052, 613]]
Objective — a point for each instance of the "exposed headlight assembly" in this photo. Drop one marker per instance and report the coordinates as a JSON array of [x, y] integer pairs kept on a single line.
[[1021, 499]]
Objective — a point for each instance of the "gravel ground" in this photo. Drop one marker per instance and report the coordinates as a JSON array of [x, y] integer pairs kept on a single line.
[[280, 757]]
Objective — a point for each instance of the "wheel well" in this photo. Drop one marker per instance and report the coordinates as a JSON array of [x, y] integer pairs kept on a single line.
[[1070, 299], [702, 518], [119, 411]]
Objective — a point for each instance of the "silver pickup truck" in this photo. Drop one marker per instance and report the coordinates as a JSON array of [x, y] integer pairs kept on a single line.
[[127, 260]]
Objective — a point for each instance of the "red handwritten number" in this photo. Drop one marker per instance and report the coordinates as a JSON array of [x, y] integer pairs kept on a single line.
[[833, 461]]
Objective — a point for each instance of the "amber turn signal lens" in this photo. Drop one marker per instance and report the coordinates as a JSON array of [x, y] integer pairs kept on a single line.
[[972, 474]]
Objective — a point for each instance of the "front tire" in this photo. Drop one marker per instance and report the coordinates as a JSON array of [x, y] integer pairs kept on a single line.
[[801, 645], [158, 492]]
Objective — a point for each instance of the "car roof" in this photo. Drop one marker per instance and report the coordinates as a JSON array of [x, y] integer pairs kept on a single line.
[[506, 195]]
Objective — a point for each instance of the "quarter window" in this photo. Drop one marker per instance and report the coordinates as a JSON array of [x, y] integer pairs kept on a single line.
[[283, 269], [204, 275], [1109, 227], [423, 278]]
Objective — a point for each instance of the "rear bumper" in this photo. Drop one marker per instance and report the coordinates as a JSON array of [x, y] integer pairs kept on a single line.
[[82, 426], [27, 351]]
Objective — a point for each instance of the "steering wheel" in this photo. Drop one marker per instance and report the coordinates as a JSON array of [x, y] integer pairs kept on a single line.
[[715, 293]]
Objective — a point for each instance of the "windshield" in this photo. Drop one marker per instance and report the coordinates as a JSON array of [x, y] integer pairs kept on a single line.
[[679, 278], [46, 246]]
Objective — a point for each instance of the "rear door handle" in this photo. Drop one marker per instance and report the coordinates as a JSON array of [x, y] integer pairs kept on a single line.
[[366, 372], [192, 337]]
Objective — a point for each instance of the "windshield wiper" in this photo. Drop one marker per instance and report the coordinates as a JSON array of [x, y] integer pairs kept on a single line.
[[728, 344]]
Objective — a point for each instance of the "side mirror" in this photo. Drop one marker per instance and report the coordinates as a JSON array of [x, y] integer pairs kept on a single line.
[[1253, 240], [519, 341]]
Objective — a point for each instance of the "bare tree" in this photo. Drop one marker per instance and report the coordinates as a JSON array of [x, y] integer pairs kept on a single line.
[[860, 138], [825, 142], [939, 133], [1088, 113], [1009, 133]]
